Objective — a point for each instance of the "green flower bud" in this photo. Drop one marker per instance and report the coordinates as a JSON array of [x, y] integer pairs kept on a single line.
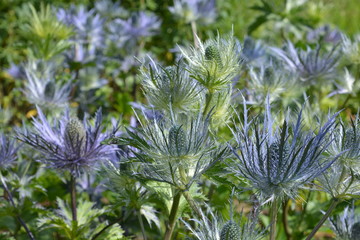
[[230, 231], [350, 139], [75, 133], [49, 90], [275, 151], [355, 231], [212, 53], [177, 141]]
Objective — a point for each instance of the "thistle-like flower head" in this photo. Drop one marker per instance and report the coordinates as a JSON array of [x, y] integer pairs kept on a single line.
[[8, 151], [347, 225], [42, 89], [310, 65], [69, 144], [176, 152], [213, 63], [202, 11], [346, 141], [277, 161], [171, 88], [351, 48], [213, 227], [269, 81]]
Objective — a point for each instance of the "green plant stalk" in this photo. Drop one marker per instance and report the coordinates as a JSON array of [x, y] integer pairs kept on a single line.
[[273, 219], [286, 205], [141, 225], [209, 97], [11, 200], [172, 218], [73, 197], [333, 204], [191, 203]]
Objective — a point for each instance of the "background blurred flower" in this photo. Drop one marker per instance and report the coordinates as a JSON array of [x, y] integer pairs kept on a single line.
[[310, 65], [201, 11]]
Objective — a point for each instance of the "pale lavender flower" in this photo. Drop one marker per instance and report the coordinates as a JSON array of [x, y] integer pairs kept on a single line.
[[109, 9], [68, 143], [15, 71], [42, 89], [139, 24], [324, 33], [202, 11], [276, 162], [8, 151], [310, 65], [252, 50], [88, 27]]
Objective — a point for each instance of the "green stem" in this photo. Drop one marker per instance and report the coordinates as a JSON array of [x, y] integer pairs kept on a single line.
[[192, 203], [209, 97], [172, 218], [73, 197], [285, 219], [141, 225], [11, 200], [273, 217], [333, 204]]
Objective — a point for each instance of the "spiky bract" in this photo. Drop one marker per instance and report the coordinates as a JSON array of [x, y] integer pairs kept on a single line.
[[214, 63], [277, 161]]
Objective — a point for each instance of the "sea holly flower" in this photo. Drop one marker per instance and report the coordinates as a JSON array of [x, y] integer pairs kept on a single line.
[[351, 48], [310, 65], [8, 152], [269, 80], [214, 227], [213, 63], [347, 225], [42, 89], [69, 144], [175, 151], [252, 51], [346, 141], [171, 89], [277, 161], [201, 11]]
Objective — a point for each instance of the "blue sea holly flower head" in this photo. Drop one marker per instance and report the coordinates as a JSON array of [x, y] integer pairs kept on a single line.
[[213, 63], [347, 225], [171, 88], [8, 151], [200, 11], [269, 80], [174, 151], [346, 141], [278, 160], [351, 48], [41, 87], [69, 144], [211, 226], [253, 51], [311, 65]]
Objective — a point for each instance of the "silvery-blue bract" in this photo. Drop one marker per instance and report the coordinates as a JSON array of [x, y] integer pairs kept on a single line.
[[278, 160]]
